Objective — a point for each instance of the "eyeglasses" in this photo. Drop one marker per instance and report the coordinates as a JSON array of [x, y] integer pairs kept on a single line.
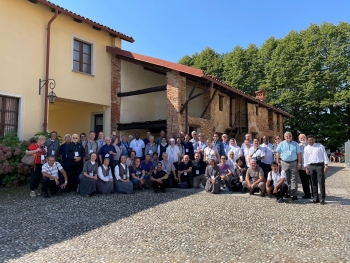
[[74, 138]]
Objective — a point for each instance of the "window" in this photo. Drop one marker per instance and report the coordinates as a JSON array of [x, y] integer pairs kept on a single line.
[[8, 115], [221, 103], [270, 119], [82, 53], [278, 123]]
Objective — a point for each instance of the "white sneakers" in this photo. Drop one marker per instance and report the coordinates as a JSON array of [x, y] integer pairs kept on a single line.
[[34, 193]]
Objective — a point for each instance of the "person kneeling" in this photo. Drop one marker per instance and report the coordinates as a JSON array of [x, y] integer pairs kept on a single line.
[[104, 184], [255, 179], [122, 184], [158, 178], [279, 186], [185, 171], [50, 176], [88, 177]]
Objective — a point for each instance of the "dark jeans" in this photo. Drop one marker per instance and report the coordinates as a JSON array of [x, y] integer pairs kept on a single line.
[[49, 184], [282, 190], [266, 168], [317, 177], [171, 182], [35, 177], [238, 187], [73, 175], [306, 183], [187, 178], [158, 186]]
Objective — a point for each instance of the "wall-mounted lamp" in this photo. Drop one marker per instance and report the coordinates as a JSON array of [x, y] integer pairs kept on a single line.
[[52, 84]]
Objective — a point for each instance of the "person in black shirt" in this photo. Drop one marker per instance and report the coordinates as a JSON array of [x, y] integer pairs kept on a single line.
[[185, 171], [158, 178], [198, 171], [75, 155], [188, 146]]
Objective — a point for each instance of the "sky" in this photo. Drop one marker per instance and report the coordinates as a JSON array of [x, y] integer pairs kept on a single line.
[[171, 29]]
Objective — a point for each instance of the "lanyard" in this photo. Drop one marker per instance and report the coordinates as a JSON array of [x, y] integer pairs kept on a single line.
[[90, 145], [51, 170], [101, 143]]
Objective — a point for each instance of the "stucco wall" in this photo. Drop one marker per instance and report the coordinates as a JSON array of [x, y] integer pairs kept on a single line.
[[144, 107], [23, 53], [195, 106]]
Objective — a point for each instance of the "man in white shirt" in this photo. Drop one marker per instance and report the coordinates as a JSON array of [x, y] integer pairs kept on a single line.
[[137, 145], [256, 152], [304, 178], [248, 137], [316, 163], [246, 152], [279, 187], [267, 160], [51, 177]]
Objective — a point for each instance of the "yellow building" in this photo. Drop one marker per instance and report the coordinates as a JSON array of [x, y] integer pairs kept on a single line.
[[77, 60]]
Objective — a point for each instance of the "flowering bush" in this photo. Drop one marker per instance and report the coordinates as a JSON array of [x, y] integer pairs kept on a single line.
[[12, 170]]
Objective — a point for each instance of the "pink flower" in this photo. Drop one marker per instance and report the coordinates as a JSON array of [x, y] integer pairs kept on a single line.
[[17, 151], [7, 149]]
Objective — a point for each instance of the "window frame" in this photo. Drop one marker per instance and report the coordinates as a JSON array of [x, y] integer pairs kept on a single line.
[[221, 102], [20, 112], [92, 55]]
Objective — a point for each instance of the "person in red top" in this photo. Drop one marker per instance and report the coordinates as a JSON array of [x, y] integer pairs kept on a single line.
[[39, 150]]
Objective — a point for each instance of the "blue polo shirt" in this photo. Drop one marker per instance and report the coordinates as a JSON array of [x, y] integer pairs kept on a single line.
[[288, 151], [104, 152]]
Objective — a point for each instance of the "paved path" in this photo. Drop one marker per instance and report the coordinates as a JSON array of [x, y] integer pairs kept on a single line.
[[179, 226]]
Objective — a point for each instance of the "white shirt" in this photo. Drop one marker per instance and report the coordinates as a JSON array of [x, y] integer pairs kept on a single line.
[[137, 146], [173, 153], [116, 171], [237, 151], [302, 147], [268, 153], [276, 177], [246, 153], [243, 146], [52, 170], [101, 176], [315, 154], [256, 152]]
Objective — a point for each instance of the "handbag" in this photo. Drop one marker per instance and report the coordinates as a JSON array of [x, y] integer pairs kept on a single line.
[[182, 185], [28, 159]]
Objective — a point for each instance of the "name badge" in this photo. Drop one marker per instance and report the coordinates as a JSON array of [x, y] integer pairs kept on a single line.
[[185, 173], [187, 150], [90, 151], [124, 176], [76, 154], [91, 174], [150, 151], [212, 177], [289, 152], [107, 155], [42, 157], [241, 178], [53, 152], [197, 171]]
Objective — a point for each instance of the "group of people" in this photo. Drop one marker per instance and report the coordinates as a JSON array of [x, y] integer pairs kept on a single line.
[[108, 165]]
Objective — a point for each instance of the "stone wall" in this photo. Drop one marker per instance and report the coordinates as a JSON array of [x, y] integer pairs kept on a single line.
[[258, 121]]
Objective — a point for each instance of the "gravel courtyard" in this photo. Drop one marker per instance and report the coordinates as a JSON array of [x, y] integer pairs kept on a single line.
[[178, 226]]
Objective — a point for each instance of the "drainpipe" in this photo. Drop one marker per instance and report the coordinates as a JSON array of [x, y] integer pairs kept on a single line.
[[47, 68]]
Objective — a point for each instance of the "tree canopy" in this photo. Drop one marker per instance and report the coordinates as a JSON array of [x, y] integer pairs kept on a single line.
[[306, 73]]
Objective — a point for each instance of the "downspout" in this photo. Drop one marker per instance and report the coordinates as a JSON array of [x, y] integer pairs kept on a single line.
[[47, 68]]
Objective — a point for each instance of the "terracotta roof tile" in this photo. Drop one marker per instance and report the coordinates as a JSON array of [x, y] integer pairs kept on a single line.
[[86, 20]]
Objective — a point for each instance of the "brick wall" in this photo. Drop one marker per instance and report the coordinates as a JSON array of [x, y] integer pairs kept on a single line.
[[176, 97], [115, 89]]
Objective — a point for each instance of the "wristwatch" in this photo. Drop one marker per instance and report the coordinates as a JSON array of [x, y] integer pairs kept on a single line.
[[66, 182]]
